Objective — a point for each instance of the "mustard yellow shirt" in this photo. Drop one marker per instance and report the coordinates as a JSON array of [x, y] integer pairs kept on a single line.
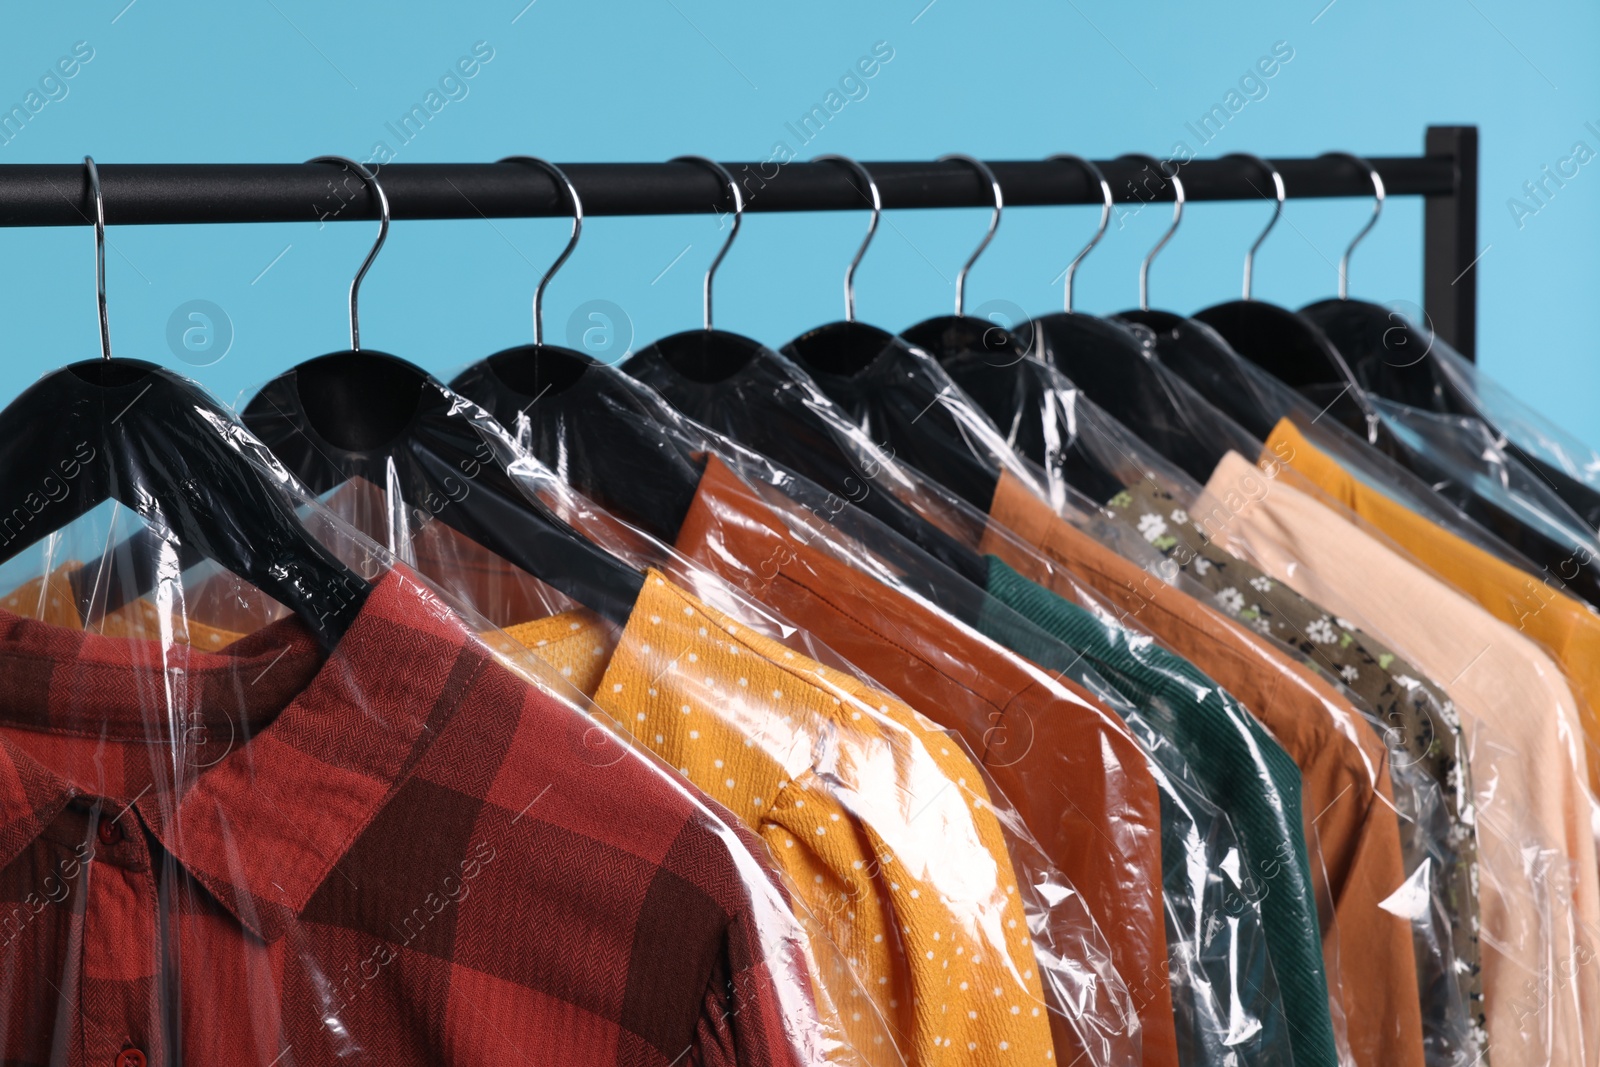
[[51, 599], [877, 816]]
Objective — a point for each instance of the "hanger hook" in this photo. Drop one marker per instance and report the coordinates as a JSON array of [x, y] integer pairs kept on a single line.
[[376, 189], [1279, 194], [1105, 215], [572, 242], [866, 179], [738, 213], [1178, 198], [99, 253], [994, 222], [1377, 209]]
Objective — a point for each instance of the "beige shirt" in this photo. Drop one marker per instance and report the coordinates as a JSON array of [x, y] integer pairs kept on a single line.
[[1539, 892]]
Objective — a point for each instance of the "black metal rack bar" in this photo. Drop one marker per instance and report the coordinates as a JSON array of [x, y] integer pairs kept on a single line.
[[137, 193], [54, 195]]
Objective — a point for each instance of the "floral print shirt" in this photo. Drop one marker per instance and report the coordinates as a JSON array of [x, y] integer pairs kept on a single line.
[[1422, 729]]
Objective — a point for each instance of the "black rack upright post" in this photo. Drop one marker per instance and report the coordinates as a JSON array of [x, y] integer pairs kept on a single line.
[[1450, 250]]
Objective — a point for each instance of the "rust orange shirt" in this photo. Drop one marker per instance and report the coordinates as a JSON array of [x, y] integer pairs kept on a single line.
[[1069, 766], [1348, 810]]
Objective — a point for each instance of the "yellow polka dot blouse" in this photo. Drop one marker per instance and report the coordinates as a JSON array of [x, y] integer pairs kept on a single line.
[[878, 817]]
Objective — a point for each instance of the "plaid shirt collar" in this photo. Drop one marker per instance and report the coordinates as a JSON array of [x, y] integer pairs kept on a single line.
[[288, 755]]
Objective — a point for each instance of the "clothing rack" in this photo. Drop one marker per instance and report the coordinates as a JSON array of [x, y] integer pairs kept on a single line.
[[1445, 176]]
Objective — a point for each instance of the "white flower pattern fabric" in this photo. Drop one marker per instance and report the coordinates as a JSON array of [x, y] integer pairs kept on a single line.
[[1322, 632], [1420, 719], [1152, 526]]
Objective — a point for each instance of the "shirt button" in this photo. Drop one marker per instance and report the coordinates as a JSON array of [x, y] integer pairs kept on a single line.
[[111, 834], [130, 1057]]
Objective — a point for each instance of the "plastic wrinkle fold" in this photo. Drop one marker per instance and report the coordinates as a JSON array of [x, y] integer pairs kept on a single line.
[[224, 843], [1534, 814], [1222, 984], [933, 920]]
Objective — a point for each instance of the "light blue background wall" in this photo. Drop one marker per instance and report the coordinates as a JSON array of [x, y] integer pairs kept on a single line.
[[283, 80]]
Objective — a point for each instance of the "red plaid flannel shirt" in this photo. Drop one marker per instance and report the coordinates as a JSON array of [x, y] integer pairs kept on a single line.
[[400, 853]]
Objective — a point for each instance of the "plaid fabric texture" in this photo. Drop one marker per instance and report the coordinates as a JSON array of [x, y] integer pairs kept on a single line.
[[399, 854]]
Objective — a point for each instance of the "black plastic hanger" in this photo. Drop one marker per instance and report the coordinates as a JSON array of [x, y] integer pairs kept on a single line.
[[1398, 361], [1020, 394], [770, 405], [544, 393], [1284, 343], [370, 415], [130, 431], [709, 354], [1197, 352], [898, 394], [1452, 477], [1387, 353], [944, 335], [1113, 363], [964, 342], [847, 345], [1395, 359], [1300, 348]]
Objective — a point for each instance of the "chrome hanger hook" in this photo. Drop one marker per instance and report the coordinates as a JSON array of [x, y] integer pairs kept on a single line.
[[572, 242], [1277, 211], [1177, 217], [1105, 216], [376, 189], [99, 253], [994, 222], [866, 180], [1377, 209], [738, 213]]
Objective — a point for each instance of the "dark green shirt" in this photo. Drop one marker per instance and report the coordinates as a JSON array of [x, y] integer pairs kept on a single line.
[[1240, 767], [1226, 1003]]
